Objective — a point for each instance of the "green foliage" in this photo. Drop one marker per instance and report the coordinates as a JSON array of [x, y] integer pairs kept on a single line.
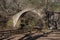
[[53, 6], [9, 24]]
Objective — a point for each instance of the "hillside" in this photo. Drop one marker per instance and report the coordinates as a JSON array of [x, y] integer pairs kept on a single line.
[[10, 7]]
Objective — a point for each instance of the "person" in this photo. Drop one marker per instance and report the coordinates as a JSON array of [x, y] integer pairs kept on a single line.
[[55, 25], [22, 23]]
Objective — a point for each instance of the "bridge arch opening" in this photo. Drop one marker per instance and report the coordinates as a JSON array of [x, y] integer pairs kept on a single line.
[[29, 20]]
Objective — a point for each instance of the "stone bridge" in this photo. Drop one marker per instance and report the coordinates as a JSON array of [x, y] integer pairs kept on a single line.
[[17, 16]]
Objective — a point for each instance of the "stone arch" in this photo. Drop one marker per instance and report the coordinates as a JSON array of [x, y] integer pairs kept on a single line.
[[16, 16]]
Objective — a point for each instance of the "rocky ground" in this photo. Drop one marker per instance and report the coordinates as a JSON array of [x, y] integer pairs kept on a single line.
[[55, 35], [52, 36]]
